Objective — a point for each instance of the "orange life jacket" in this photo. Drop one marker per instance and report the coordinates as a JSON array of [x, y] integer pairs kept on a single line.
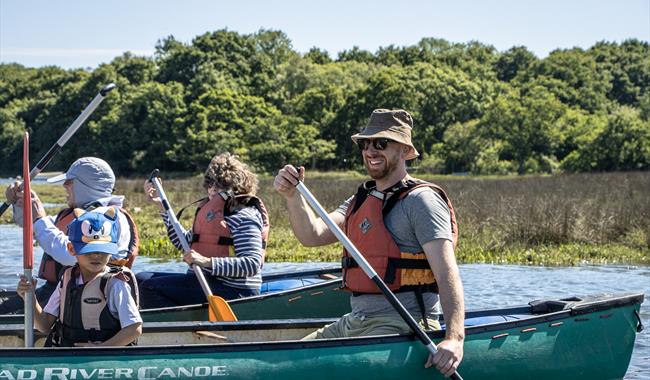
[[50, 269], [83, 312], [364, 226], [211, 236]]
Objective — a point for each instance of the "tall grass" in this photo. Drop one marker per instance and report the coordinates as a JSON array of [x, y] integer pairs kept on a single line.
[[554, 220], [583, 208], [559, 220]]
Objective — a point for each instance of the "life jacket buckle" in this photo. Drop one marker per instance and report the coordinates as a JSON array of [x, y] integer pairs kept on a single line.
[[348, 262]]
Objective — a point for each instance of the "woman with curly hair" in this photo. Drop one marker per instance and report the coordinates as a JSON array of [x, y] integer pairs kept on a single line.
[[228, 240]]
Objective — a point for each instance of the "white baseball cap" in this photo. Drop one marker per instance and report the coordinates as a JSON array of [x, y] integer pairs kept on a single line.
[[93, 172]]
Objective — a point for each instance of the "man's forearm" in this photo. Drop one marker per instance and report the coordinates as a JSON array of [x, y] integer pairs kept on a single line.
[[453, 305], [440, 254], [310, 230]]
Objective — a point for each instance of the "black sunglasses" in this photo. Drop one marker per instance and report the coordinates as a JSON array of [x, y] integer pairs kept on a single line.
[[379, 144]]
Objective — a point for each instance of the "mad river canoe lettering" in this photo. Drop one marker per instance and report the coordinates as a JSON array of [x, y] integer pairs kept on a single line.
[[142, 373]]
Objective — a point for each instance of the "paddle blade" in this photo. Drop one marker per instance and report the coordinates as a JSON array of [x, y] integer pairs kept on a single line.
[[219, 310], [28, 246]]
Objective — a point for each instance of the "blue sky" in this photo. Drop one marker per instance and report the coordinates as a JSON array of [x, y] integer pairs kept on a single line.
[[76, 33]]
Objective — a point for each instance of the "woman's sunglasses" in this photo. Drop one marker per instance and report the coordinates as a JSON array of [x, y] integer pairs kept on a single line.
[[379, 144]]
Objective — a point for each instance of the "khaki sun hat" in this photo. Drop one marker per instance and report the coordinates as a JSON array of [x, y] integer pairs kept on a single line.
[[395, 125]]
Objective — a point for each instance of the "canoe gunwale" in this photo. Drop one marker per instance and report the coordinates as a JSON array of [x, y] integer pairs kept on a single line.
[[570, 308], [282, 293], [160, 350], [301, 273], [185, 326]]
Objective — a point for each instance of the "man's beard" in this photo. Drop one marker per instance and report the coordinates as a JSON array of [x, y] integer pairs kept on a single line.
[[377, 174]]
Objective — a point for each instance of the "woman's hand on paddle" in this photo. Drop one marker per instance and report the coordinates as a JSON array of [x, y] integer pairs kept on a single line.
[[152, 194], [287, 179], [11, 192], [193, 257], [24, 286], [448, 357]]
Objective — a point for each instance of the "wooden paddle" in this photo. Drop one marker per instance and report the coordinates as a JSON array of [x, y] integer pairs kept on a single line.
[[28, 245], [370, 272], [219, 308]]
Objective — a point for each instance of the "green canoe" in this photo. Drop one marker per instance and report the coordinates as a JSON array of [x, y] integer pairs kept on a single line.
[[312, 293], [573, 338]]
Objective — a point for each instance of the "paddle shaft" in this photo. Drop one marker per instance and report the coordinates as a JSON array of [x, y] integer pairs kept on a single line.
[[370, 272], [28, 246], [42, 163], [179, 231]]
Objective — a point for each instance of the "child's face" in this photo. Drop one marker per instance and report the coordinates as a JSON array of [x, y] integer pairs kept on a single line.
[[93, 262]]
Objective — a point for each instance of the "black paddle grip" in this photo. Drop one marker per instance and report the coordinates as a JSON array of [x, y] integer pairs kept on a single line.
[[4, 208], [154, 174], [107, 89]]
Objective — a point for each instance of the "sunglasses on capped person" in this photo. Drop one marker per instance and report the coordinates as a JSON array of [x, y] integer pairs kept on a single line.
[[379, 144]]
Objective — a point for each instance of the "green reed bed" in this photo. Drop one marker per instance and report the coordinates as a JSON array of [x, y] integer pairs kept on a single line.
[[558, 220]]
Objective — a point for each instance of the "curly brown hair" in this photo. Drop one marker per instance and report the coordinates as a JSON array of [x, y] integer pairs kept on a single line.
[[228, 173]]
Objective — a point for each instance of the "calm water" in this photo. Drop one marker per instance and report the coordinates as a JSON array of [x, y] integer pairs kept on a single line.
[[486, 286], [40, 179]]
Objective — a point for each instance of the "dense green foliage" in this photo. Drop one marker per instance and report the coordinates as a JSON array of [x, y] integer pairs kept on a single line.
[[476, 109]]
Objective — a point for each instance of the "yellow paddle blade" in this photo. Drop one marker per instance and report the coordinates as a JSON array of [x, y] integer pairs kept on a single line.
[[219, 310]]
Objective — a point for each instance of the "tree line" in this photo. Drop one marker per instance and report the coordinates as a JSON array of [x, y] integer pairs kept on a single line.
[[476, 109]]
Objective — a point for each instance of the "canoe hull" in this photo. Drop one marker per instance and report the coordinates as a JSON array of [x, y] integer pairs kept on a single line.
[[323, 299], [592, 342]]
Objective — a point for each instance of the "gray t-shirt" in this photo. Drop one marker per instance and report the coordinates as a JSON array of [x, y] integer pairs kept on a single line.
[[420, 217]]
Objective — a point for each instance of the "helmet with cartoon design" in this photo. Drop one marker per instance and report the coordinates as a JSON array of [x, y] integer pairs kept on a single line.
[[94, 232]]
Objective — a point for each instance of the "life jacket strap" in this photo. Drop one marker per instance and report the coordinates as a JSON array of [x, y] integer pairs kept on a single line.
[[70, 335], [348, 262], [224, 240], [427, 288], [420, 299], [53, 338], [180, 212]]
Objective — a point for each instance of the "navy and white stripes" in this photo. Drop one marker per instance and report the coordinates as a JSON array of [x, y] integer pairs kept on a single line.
[[244, 270]]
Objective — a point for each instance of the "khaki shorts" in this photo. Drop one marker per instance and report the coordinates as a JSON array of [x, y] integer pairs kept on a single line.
[[351, 326]]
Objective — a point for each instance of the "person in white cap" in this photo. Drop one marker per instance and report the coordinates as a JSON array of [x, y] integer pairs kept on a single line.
[[89, 184], [404, 227]]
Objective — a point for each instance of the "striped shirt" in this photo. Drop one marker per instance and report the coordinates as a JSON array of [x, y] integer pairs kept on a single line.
[[244, 270]]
